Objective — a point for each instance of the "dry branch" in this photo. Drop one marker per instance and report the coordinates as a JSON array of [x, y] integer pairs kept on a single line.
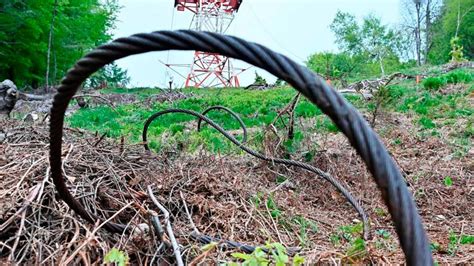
[[169, 228]]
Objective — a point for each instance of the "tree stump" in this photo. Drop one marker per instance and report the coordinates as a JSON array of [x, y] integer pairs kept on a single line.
[[8, 97]]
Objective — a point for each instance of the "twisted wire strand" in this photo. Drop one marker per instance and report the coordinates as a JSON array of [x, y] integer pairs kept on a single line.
[[231, 112], [408, 225], [260, 156], [228, 244]]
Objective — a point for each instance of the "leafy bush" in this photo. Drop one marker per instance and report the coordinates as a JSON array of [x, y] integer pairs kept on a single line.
[[259, 80], [109, 76], [426, 123], [454, 77], [434, 83], [458, 76], [117, 257], [467, 239], [333, 66], [275, 255], [456, 52]]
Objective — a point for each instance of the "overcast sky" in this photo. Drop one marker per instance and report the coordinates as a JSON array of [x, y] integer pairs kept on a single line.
[[296, 28]]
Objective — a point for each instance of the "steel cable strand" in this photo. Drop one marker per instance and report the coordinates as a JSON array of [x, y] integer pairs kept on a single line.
[[401, 205], [231, 112], [228, 244], [260, 156]]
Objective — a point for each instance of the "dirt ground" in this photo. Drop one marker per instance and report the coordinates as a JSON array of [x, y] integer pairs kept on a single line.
[[234, 198]]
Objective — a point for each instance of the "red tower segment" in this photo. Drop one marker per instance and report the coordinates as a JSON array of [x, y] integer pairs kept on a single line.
[[210, 69]]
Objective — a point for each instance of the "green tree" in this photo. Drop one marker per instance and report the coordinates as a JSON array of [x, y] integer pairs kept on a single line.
[[378, 40], [347, 33], [372, 42], [25, 27], [456, 21], [333, 66], [259, 80], [111, 76], [417, 22]]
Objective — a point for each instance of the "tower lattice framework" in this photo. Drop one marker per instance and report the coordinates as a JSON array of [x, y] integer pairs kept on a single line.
[[211, 69]]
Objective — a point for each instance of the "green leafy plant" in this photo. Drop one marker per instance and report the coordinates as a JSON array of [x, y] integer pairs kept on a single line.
[[117, 257], [280, 179], [458, 76], [448, 181], [382, 98], [357, 249], [467, 239], [426, 123], [279, 83], [257, 258], [435, 246], [272, 206], [210, 246], [109, 76], [383, 233], [292, 145], [380, 212], [270, 254], [335, 239], [351, 234], [305, 226], [457, 54], [397, 141], [453, 243], [258, 199], [434, 83], [259, 80]]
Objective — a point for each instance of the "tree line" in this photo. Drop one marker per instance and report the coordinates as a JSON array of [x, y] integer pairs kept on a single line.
[[41, 39], [431, 32]]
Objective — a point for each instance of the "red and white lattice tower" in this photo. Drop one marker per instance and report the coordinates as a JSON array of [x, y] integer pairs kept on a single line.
[[211, 69]]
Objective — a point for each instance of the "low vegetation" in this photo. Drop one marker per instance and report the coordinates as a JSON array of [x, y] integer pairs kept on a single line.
[[439, 101], [413, 82]]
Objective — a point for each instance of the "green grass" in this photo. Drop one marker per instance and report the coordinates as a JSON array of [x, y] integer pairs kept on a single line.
[[430, 110], [256, 108], [139, 92]]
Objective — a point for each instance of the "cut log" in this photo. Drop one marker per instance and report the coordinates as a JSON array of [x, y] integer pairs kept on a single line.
[[33, 97], [455, 65]]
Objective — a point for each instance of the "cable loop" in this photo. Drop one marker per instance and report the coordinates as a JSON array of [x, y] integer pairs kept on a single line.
[[412, 236]]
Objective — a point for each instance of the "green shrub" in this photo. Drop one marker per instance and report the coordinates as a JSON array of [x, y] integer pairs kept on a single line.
[[467, 239], [458, 76], [454, 77], [116, 257], [426, 123], [434, 83]]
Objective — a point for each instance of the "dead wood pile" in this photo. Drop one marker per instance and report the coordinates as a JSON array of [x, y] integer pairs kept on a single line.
[[232, 198], [110, 179]]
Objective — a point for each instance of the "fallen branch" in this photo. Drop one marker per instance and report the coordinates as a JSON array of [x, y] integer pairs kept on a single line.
[[33, 97], [169, 229], [101, 98], [92, 234]]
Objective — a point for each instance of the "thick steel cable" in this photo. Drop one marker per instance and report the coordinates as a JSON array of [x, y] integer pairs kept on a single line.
[[402, 208], [260, 156], [232, 113], [228, 244]]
